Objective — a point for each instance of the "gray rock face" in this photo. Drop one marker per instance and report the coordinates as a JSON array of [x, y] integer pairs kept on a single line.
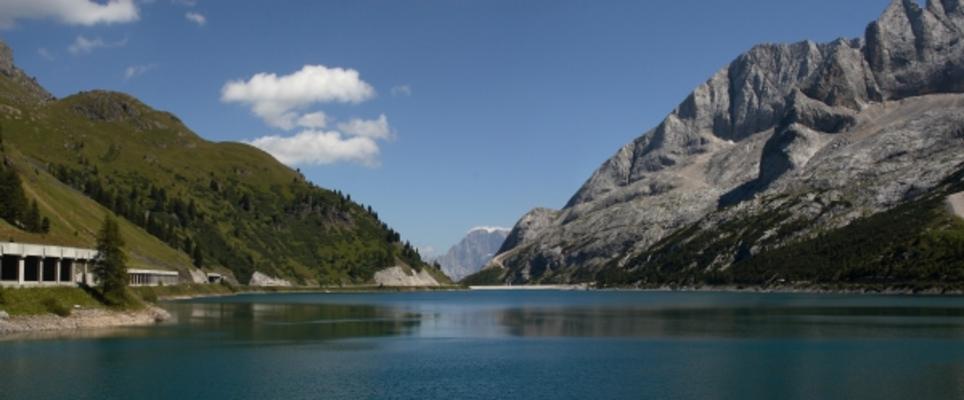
[[868, 121], [472, 252], [6, 60], [34, 92]]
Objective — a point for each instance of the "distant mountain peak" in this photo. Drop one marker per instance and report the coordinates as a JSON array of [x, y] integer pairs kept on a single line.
[[473, 251], [489, 229]]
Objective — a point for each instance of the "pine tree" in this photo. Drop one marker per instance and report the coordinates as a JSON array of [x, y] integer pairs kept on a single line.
[[45, 225], [32, 219], [12, 200], [197, 256], [110, 267]]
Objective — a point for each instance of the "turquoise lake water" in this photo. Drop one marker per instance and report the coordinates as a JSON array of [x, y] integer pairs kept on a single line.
[[516, 345]]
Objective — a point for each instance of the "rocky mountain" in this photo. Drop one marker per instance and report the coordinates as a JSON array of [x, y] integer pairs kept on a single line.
[[787, 144], [186, 203], [470, 254]]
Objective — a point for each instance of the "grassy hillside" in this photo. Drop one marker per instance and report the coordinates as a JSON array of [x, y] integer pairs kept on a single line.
[[186, 202]]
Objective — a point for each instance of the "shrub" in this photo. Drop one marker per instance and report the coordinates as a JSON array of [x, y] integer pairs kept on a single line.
[[55, 307], [119, 299], [149, 296]]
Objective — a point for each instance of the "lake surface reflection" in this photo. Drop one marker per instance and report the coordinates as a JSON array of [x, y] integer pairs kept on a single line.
[[510, 345]]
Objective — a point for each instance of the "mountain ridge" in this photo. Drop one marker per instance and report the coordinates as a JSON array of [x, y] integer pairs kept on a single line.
[[765, 125]]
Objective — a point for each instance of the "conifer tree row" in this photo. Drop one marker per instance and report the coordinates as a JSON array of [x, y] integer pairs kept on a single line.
[[14, 207]]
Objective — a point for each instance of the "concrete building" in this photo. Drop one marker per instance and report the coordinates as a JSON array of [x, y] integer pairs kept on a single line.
[[30, 265], [153, 277], [39, 265], [214, 277]]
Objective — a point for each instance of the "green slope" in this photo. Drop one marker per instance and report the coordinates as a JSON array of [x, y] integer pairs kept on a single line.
[[185, 200]]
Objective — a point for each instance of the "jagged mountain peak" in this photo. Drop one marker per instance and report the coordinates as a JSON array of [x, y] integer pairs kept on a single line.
[[6, 59], [764, 124], [17, 86]]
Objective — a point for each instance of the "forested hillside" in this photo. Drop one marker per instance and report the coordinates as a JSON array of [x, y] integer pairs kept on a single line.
[[188, 202]]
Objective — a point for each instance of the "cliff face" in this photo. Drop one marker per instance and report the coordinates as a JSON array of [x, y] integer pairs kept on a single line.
[[865, 123]]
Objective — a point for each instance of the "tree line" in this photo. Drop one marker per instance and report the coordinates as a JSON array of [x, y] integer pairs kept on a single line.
[[14, 206]]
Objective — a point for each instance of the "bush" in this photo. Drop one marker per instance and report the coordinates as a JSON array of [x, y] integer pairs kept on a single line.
[[118, 299], [2, 299], [149, 296], [55, 307]]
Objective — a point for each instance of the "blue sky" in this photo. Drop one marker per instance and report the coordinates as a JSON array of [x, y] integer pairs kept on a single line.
[[443, 115]]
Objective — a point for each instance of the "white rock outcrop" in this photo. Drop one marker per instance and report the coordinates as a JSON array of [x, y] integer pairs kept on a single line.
[[398, 277], [955, 203], [263, 280]]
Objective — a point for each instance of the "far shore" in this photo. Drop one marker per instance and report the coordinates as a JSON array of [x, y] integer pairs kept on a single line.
[[907, 290], [310, 290], [88, 320]]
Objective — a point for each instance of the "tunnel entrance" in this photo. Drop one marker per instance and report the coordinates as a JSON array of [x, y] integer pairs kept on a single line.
[[31, 269], [67, 270], [50, 269], [9, 268]]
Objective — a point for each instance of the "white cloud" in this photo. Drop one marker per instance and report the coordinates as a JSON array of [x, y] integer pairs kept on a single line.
[[45, 54], [84, 45], [137, 70], [196, 18], [278, 99], [71, 12], [373, 128], [402, 90], [312, 147], [315, 120]]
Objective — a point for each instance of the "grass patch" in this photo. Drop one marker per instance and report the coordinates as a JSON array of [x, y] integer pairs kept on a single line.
[[54, 300], [56, 307], [152, 294]]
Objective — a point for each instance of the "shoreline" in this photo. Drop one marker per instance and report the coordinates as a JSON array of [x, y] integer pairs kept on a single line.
[[82, 320], [806, 289], [86, 321], [904, 290], [315, 290]]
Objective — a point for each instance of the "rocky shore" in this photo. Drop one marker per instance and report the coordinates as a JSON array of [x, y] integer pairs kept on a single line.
[[83, 319], [905, 290]]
